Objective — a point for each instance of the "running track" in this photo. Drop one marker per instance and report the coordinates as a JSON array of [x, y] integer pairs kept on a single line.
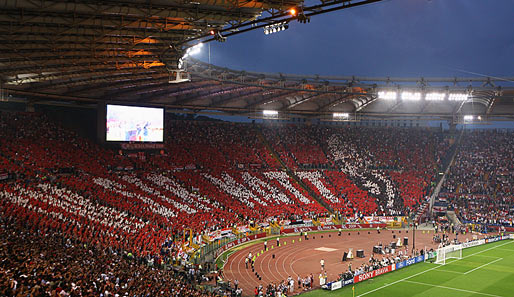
[[302, 258]]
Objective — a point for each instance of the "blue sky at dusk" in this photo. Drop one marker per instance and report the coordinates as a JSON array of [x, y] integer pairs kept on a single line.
[[389, 38]]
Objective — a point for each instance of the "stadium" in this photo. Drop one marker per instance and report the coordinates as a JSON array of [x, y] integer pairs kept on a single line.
[[133, 164]]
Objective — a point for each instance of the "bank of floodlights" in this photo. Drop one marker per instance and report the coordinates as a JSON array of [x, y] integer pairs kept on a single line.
[[411, 96], [435, 96], [341, 115], [274, 28], [387, 95], [457, 97], [270, 113]]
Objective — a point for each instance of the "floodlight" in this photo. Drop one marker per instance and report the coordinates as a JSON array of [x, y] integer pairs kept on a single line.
[[274, 28], [195, 49], [270, 112], [435, 96], [468, 118], [343, 115], [387, 95], [292, 11], [411, 96], [457, 97]]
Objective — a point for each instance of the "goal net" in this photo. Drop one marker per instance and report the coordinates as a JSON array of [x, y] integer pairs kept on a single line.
[[448, 252]]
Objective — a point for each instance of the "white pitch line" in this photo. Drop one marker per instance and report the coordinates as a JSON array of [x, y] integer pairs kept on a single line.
[[451, 288], [408, 277], [494, 261]]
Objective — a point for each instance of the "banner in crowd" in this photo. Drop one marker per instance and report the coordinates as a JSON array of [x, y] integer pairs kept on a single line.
[[242, 229], [4, 176], [293, 229], [219, 234], [326, 221], [237, 242], [383, 219]]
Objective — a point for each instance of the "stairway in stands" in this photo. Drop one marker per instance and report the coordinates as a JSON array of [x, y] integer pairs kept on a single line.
[[446, 171], [452, 218]]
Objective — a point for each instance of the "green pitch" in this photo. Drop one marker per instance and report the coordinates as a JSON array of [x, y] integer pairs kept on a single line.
[[486, 270]]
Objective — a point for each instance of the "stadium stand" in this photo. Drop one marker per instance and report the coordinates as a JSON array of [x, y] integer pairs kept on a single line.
[[53, 265], [211, 175], [479, 186]]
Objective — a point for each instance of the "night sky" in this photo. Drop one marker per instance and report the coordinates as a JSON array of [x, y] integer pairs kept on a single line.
[[407, 38]]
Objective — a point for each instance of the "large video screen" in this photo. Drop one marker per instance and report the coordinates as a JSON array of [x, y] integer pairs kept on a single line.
[[134, 123]]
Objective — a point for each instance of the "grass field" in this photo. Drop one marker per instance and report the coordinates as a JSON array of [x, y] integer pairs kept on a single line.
[[486, 270]]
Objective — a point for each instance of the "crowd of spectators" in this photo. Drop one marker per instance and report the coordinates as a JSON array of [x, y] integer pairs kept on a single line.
[[214, 175], [396, 167], [479, 186], [48, 264], [211, 175], [224, 166]]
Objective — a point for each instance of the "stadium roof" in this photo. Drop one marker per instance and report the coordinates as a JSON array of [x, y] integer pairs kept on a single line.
[[129, 52], [55, 44]]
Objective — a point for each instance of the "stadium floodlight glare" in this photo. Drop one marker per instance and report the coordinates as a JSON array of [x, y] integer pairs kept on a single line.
[[411, 96], [341, 115], [387, 95], [292, 11], [195, 49], [435, 96], [270, 112], [274, 28], [457, 97], [468, 118]]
